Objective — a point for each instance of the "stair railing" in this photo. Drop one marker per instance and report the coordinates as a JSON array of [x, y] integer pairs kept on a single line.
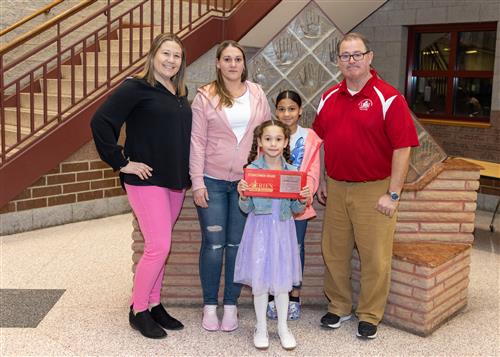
[[44, 10], [76, 61]]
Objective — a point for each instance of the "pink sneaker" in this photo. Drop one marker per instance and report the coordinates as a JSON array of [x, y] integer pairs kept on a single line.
[[210, 321], [230, 318]]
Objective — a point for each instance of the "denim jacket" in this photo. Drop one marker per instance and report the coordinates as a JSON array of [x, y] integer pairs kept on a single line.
[[263, 205]]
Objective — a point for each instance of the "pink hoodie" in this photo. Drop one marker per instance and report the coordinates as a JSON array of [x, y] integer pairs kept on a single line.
[[215, 150], [310, 164]]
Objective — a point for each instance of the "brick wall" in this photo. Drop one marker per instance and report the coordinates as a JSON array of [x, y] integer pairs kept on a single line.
[[79, 188], [428, 284], [69, 182], [442, 210], [182, 282], [82, 177], [474, 143]]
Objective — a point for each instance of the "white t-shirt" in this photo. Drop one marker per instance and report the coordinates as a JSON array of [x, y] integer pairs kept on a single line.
[[239, 115], [297, 145]]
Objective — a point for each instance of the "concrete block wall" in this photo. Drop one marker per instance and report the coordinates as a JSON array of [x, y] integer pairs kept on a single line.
[[387, 30]]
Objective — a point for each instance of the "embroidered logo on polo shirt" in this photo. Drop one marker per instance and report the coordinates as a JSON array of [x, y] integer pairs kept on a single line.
[[365, 104]]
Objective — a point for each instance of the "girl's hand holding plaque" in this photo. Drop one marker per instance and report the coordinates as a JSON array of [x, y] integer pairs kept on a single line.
[[275, 184]]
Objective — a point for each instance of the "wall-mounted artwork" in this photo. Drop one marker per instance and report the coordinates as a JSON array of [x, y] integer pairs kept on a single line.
[[303, 57]]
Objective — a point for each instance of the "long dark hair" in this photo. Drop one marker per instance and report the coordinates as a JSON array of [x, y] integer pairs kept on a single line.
[[226, 99], [257, 134], [289, 94]]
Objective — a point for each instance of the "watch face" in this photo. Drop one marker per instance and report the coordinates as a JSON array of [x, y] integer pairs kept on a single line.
[[394, 196]]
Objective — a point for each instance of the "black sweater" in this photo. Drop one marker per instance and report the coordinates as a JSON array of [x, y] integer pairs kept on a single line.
[[158, 128]]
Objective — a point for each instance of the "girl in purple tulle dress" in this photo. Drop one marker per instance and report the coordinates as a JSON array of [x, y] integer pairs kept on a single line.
[[268, 258]]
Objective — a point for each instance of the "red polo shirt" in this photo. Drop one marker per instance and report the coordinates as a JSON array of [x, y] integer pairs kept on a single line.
[[361, 131]]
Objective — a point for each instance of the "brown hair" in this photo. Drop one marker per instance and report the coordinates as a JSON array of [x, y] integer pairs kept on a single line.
[[354, 36], [147, 73], [257, 134], [226, 99]]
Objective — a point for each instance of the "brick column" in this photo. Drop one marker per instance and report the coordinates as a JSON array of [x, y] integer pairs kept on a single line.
[[431, 252]]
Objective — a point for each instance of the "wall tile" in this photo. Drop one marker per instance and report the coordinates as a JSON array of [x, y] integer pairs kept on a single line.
[[468, 13], [431, 15]]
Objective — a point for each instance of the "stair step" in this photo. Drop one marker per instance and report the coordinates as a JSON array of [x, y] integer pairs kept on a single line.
[[115, 45], [66, 86], [11, 135], [13, 129], [136, 31], [78, 71], [25, 116], [51, 101], [114, 58]]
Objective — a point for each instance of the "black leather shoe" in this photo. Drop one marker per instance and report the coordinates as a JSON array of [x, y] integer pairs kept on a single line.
[[144, 323], [162, 318]]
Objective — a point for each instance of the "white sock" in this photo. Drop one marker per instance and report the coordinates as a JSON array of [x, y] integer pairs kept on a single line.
[[281, 301], [260, 305]]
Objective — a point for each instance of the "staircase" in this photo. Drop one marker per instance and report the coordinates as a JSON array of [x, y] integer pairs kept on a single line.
[[46, 106]]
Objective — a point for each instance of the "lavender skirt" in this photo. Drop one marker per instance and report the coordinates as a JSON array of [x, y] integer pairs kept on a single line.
[[268, 257]]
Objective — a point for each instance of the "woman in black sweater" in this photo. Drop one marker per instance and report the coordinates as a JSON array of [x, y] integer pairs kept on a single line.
[[154, 166]]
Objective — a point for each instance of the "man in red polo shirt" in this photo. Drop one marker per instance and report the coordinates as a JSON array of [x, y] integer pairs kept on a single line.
[[367, 132]]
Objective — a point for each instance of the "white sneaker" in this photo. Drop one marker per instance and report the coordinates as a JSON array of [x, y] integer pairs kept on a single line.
[[210, 321], [287, 340], [261, 339], [230, 318]]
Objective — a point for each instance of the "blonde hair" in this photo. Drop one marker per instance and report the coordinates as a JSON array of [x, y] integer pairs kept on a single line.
[[147, 73], [219, 87]]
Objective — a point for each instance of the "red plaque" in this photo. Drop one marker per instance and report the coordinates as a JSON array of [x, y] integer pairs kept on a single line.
[[274, 183]]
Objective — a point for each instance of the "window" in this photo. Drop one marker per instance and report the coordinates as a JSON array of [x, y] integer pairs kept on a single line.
[[450, 71]]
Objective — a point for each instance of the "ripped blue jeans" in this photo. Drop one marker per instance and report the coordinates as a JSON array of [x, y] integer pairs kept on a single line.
[[221, 225]]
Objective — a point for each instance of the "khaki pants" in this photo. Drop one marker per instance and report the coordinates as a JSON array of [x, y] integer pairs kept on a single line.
[[351, 218]]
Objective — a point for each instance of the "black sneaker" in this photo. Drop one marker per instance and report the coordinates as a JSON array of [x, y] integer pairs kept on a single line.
[[366, 330], [144, 323], [332, 320], [162, 318]]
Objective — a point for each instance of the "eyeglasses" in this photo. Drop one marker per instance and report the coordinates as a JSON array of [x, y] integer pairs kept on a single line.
[[345, 57]]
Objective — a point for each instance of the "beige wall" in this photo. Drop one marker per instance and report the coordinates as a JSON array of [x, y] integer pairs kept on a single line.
[[344, 13], [387, 30]]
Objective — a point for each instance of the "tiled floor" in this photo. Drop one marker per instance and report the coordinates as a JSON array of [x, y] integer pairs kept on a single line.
[[91, 260]]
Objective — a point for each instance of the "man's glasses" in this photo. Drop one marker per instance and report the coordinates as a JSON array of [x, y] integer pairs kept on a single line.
[[345, 57]]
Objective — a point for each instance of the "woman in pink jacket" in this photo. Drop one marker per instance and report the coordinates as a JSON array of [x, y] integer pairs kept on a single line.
[[225, 113], [304, 153]]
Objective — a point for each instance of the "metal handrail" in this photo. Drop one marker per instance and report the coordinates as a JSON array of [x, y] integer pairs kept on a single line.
[[43, 27], [45, 10], [19, 93]]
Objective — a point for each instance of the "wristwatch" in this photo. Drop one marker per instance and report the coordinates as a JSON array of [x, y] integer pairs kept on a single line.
[[394, 196]]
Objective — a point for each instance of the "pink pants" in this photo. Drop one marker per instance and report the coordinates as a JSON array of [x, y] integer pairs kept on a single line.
[[156, 209]]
